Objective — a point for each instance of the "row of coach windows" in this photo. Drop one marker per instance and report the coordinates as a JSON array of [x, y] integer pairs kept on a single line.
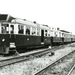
[[31, 30], [21, 29], [28, 30], [6, 29]]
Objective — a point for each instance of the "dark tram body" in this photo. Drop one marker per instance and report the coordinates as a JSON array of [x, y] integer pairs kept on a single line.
[[18, 34]]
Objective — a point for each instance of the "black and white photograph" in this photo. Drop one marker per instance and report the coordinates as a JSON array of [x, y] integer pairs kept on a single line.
[[37, 37]]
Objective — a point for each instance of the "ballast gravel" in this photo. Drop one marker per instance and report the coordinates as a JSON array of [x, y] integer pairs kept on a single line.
[[31, 67]]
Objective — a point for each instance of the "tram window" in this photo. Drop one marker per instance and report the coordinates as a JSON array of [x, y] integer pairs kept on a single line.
[[27, 30], [46, 32], [62, 34], [38, 31], [59, 34], [55, 34], [51, 33], [33, 31], [12, 29], [5, 28], [20, 29]]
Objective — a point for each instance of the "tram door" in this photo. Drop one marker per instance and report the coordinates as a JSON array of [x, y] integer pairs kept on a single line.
[[42, 36]]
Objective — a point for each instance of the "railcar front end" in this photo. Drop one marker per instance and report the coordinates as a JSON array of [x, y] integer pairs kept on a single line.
[[6, 41]]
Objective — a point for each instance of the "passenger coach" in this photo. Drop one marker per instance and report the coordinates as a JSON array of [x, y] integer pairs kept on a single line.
[[19, 33]]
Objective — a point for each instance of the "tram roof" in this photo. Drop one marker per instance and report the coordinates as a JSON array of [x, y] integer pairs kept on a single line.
[[65, 31], [25, 22]]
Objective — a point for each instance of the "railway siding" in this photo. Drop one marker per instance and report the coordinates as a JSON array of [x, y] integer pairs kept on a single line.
[[31, 67], [58, 55]]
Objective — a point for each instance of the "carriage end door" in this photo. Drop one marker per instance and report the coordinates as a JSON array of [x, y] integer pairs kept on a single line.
[[42, 36]]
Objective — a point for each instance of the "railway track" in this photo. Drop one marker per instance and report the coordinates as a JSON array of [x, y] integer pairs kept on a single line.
[[15, 59], [18, 58], [29, 66], [44, 70], [72, 71], [25, 57]]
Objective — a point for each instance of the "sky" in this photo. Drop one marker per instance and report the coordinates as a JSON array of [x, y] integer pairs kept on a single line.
[[55, 13]]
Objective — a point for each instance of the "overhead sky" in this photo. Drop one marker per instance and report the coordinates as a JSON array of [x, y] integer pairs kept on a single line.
[[55, 13]]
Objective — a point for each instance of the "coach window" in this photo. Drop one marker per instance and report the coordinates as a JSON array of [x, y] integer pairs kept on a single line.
[[38, 31], [27, 30], [59, 34], [0, 27], [33, 31], [51, 33], [20, 29], [5, 28], [55, 34], [46, 32], [62, 34], [12, 29]]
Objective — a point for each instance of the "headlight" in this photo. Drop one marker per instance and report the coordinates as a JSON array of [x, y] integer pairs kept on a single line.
[[3, 40]]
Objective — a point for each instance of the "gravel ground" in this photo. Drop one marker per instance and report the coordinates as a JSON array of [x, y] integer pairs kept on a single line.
[[63, 67], [34, 65]]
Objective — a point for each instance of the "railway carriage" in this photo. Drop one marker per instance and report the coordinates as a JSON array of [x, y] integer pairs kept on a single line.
[[19, 33], [57, 37], [73, 38], [67, 36]]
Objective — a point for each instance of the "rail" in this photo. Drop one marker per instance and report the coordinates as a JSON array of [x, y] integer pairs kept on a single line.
[[69, 73], [61, 58]]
